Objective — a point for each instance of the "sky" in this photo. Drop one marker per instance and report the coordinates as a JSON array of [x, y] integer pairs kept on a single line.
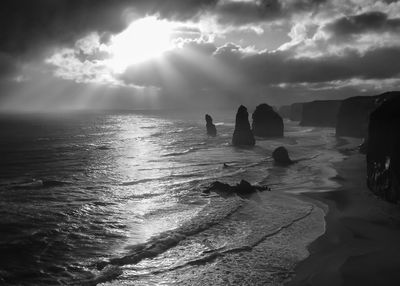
[[145, 54]]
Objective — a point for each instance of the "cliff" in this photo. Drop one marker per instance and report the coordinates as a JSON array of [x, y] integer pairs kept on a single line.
[[383, 148], [353, 116], [284, 111], [296, 111], [321, 113]]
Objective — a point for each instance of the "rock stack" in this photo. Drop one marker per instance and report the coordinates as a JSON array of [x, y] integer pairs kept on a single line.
[[266, 122], [243, 136], [211, 129], [281, 156]]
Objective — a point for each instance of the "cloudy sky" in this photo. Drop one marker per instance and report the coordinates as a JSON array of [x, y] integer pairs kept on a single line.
[[140, 54]]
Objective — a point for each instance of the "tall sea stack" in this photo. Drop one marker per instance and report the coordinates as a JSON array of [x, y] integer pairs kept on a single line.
[[383, 148], [242, 136], [211, 129], [266, 122]]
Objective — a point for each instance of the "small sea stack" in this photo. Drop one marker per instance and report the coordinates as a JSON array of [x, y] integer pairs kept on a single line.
[[211, 129], [243, 136], [281, 156], [267, 122], [383, 148]]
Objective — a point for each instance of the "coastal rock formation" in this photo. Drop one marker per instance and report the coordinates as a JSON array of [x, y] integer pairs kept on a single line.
[[363, 147], [321, 113], [242, 136], [296, 111], [281, 156], [266, 122], [353, 115], [284, 111], [244, 188], [383, 149], [211, 129]]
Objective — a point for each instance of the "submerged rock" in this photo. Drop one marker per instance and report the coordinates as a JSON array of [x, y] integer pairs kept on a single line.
[[243, 136], [383, 148], [211, 129], [266, 122], [244, 188], [353, 116], [281, 156], [321, 113]]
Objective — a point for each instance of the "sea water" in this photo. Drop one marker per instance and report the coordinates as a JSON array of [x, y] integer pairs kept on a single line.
[[116, 199]]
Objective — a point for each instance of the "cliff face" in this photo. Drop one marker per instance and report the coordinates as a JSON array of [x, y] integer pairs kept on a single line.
[[242, 136], [266, 122], [296, 111], [383, 150], [284, 111], [353, 116], [321, 113]]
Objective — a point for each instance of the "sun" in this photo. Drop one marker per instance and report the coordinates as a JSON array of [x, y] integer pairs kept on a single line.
[[144, 39]]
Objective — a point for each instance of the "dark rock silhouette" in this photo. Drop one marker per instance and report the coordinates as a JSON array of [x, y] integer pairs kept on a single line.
[[296, 111], [243, 136], [266, 122], [383, 148], [244, 189], [211, 129], [363, 147], [321, 113], [281, 156], [353, 116]]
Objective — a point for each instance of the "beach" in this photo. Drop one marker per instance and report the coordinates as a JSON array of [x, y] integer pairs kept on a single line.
[[361, 242]]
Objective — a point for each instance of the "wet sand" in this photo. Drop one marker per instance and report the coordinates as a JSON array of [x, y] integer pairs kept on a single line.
[[361, 245]]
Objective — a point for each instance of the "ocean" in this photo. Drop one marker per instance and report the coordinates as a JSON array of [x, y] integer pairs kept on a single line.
[[116, 199]]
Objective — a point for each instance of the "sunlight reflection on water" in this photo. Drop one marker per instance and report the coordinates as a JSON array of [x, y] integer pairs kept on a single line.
[[118, 181]]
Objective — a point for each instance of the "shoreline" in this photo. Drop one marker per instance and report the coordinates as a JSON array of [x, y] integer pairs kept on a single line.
[[361, 243]]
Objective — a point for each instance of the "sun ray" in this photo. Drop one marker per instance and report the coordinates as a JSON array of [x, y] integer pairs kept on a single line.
[[144, 39]]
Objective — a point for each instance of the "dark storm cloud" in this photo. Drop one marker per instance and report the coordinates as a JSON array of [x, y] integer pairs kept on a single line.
[[8, 66], [363, 23], [263, 10], [269, 68], [279, 67], [28, 25], [30, 29], [35, 24]]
